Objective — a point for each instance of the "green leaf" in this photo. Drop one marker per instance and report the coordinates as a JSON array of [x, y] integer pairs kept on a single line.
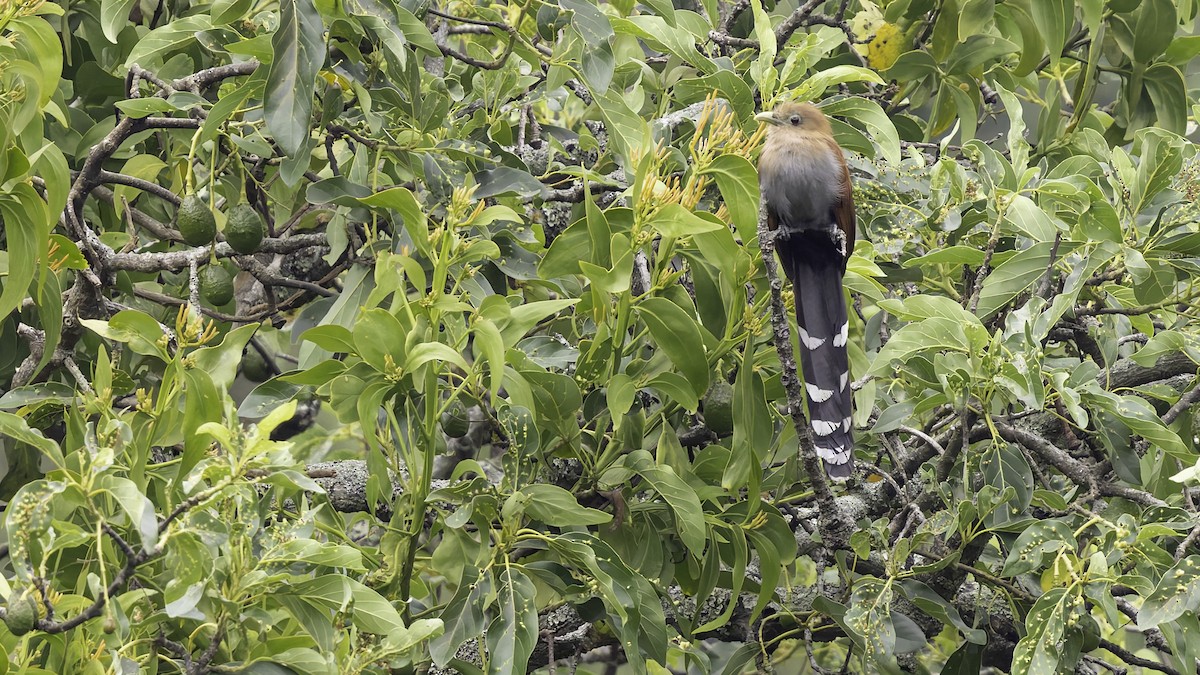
[[1030, 220], [1177, 592], [1016, 275], [762, 69], [425, 352], [420, 630], [929, 335], [1038, 540], [677, 221], [165, 39], [145, 167], [813, 87], [299, 52], [463, 615], [31, 394], [620, 393], [1168, 91], [515, 324], [737, 180], [312, 552], [137, 506], [1160, 158], [1054, 18], [143, 334], [144, 107], [202, 404], [951, 255], [676, 388], [556, 507], [1039, 652], [1153, 29], [659, 35], [1032, 44], [18, 429], [629, 134], [221, 361], [371, 612], [869, 617], [689, 515], [114, 16], [976, 51], [296, 659], [331, 338], [38, 42], [928, 306], [513, 634], [592, 23], [726, 83], [50, 310], [678, 335], [1142, 420], [871, 115], [936, 606], [228, 11], [736, 542], [1004, 466], [228, 104], [753, 430], [379, 340], [490, 344], [974, 15], [505, 180], [27, 231]]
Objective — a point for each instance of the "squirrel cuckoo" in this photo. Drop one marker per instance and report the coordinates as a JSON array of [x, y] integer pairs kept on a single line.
[[806, 185]]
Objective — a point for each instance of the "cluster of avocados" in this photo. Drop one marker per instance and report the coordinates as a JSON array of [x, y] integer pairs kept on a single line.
[[244, 230]]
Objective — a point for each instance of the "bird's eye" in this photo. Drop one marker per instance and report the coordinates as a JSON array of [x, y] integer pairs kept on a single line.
[[796, 120]]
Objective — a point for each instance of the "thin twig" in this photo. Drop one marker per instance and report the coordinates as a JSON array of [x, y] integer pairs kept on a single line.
[[1071, 467], [1181, 550], [791, 24], [984, 269], [933, 444], [1186, 401], [1135, 660]]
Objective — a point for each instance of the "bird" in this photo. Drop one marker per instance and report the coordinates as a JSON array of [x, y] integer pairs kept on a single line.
[[806, 186]]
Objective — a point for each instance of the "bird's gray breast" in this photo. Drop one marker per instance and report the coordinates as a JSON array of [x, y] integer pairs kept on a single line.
[[804, 187]]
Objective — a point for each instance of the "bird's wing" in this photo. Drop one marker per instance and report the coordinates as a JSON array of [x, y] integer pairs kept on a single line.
[[843, 212]]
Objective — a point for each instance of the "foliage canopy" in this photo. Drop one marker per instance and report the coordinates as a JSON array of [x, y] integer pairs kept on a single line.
[[513, 272]]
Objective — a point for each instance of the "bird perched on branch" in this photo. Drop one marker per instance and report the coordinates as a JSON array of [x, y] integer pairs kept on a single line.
[[806, 185]]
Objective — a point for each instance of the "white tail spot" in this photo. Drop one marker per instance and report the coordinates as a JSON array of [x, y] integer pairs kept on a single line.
[[846, 424], [818, 394], [845, 380], [810, 342], [839, 454], [839, 340], [824, 428]]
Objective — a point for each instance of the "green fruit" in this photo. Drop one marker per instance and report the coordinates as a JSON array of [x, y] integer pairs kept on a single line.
[[254, 367], [455, 421], [216, 284], [718, 408], [22, 612], [244, 229], [195, 221]]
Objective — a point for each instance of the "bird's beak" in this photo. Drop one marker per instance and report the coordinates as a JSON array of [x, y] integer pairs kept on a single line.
[[766, 118]]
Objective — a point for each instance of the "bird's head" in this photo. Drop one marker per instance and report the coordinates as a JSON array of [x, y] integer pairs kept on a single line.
[[796, 118]]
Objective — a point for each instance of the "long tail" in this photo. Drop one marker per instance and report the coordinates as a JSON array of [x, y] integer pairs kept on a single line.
[[815, 266]]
